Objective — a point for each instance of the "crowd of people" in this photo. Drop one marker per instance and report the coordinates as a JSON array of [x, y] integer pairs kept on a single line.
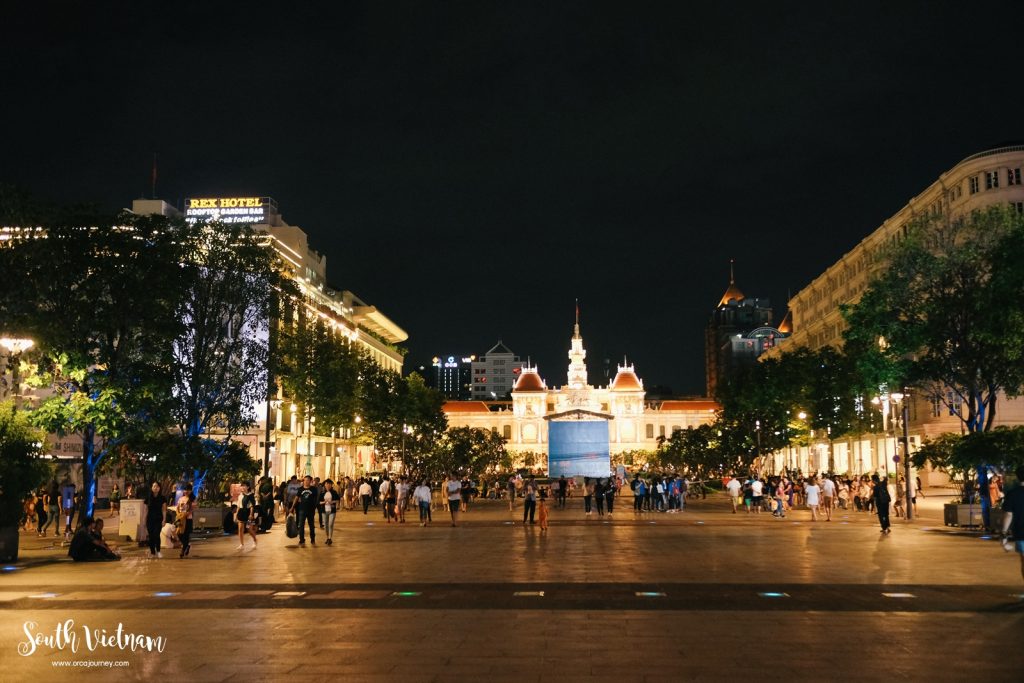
[[821, 494]]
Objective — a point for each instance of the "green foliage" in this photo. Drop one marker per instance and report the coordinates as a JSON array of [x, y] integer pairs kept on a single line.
[[21, 468], [945, 312], [697, 451], [97, 295], [320, 371], [402, 415], [462, 449], [960, 456]]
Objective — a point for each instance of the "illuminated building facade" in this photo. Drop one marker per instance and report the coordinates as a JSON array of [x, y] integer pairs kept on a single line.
[[633, 423], [295, 446], [988, 178]]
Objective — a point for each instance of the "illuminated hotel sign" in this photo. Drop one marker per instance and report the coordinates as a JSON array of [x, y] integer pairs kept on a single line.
[[230, 209]]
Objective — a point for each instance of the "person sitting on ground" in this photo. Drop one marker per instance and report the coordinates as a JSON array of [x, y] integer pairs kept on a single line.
[[169, 531], [88, 545]]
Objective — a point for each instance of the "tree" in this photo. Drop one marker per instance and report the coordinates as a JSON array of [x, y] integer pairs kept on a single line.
[[402, 414], [229, 284], [97, 295], [462, 449], [21, 467], [944, 314], [320, 370], [696, 450], [959, 455]]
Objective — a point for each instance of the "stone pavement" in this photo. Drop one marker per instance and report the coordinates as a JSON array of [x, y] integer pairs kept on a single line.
[[703, 595]]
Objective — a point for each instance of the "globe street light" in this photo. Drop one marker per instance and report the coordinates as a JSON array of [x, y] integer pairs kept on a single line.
[[15, 347]]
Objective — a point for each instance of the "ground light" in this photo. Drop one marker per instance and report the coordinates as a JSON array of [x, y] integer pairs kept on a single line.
[[529, 594], [44, 596], [899, 595], [10, 568], [163, 594], [405, 594], [650, 594], [774, 595]]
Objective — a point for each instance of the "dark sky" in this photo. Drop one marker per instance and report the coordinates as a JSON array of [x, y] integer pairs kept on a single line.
[[471, 168]]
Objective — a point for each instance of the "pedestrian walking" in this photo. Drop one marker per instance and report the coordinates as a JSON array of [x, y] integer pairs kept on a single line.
[[385, 491], [329, 507], [1013, 518], [543, 513], [563, 490], [115, 501], [609, 497], [529, 500], [156, 510], [588, 495], [599, 497], [422, 497], [812, 493], [186, 508], [828, 496], [881, 500], [306, 503], [52, 509], [245, 516], [453, 488], [365, 494], [511, 488]]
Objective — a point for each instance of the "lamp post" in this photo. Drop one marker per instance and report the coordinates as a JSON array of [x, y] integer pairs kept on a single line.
[[803, 417], [271, 404], [757, 428], [903, 410], [883, 402], [15, 347], [309, 444]]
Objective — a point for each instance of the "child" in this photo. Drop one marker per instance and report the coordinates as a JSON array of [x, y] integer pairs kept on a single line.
[[543, 513]]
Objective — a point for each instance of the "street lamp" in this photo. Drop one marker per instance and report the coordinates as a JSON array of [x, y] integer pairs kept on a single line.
[[272, 404], [757, 428], [903, 410], [15, 347]]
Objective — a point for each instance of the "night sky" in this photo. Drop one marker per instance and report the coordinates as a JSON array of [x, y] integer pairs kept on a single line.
[[472, 168]]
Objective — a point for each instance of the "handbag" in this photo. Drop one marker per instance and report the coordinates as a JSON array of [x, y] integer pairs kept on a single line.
[[291, 526]]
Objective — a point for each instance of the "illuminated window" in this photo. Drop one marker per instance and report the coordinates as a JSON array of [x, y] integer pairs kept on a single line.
[[506, 431], [991, 180], [1013, 176], [650, 431], [974, 184]]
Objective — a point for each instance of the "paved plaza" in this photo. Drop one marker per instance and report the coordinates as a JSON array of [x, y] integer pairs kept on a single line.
[[701, 595]]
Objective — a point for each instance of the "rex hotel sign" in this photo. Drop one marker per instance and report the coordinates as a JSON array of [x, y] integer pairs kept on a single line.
[[228, 209]]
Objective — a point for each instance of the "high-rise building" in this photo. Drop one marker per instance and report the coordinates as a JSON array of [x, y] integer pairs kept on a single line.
[[738, 331], [495, 373], [452, 376]]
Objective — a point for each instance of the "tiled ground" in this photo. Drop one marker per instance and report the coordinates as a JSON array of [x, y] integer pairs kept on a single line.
[[652, 597]]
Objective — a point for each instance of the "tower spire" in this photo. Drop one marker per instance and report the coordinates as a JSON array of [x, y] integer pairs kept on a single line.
[[576, 327]]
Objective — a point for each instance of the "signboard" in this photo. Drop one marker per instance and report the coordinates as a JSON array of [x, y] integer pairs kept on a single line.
[[578, 448], [229, 209], [67, 445]]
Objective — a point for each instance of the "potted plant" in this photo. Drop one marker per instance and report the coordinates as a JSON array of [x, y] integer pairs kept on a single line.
[[961, 456], [21, 471]]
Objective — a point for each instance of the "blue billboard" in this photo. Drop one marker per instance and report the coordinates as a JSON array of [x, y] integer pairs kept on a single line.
[[578, 448]]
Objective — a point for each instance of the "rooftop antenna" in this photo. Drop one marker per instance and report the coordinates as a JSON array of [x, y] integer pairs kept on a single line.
[[153, 182], [732, 276]]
